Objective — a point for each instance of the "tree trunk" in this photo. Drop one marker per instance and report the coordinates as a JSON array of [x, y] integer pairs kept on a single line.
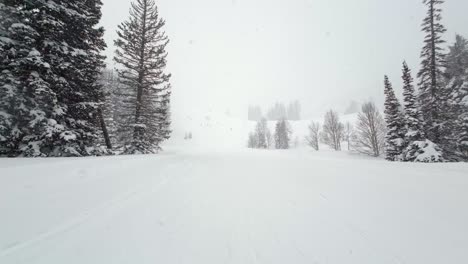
[[104, 129]]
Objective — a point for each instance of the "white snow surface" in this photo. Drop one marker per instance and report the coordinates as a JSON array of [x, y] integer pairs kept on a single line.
[[201, 203]]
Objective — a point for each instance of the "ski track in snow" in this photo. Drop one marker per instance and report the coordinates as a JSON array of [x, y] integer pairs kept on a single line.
[[115, 204], [247, 207]]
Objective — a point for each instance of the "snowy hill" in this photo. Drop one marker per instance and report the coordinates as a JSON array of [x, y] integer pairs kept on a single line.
[[211, 200], [246, 206]]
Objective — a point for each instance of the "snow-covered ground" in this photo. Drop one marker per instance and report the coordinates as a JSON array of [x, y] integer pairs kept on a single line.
[[200, 202]]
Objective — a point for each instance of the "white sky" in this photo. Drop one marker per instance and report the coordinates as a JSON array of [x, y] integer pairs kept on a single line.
[[226, 54]]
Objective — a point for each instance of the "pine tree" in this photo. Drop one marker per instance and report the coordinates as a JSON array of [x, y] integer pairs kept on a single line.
[[261, 132], [394, 140], [252, 141], [457, 62], [413, 116], [282, 134], [455, 137], [50, 61], [86, 96], [141, 53], [432, 95]]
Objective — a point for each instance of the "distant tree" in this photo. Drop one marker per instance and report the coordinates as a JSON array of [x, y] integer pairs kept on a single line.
[[294, 111], [369, 137], [352, 108], [348, 134], [110, 106], [394, 140], [261, 132], [254, 113], [261, 137], [314, 135], [252, 142], [432, 95], [333, 130], [278, 112], [269, 139], [296, 142], [141, 53], [282, 134]]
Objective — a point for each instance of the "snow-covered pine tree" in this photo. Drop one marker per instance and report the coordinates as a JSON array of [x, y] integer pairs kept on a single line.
[[86, 96], [413, 117], [141, 53], [457, 61], [431, 94], [20, 65], [50, 52], [394, 140], [282, 134], [455, 136]]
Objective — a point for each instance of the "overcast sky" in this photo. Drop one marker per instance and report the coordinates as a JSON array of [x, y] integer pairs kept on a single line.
[[226, 54]]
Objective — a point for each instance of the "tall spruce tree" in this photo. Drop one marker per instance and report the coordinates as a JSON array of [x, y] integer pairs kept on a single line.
[[432, 95], [141, 53], [413, 116], [456, 130], [50, 61], [394, 140]]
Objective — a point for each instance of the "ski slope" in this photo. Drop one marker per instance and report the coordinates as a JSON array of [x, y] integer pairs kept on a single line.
[[195, 204]]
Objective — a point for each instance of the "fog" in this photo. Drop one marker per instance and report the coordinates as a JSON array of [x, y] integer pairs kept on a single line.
[[226, 54]]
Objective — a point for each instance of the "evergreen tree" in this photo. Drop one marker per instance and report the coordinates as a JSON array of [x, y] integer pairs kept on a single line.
[[413, 116], [455, 131], [432, 95], [252, 141], [141, 53], [282, 134], [50, 62], [261, 132], [394, 140], [457, 61]]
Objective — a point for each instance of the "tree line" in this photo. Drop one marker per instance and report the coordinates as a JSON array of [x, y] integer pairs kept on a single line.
[[262, 138], [367, 136], [277, 112], [432, 124], [57, 100]]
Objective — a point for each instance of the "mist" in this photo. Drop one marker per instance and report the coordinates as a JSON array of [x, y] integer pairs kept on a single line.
[[226, 54]]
